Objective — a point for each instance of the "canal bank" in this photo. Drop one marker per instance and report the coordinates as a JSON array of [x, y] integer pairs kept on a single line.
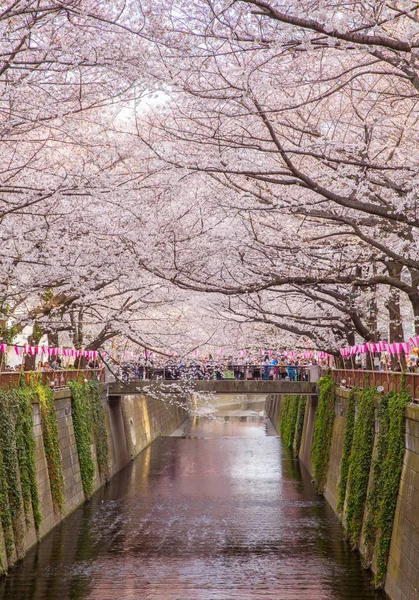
[[225, 513], [401, 575], [58, 448]]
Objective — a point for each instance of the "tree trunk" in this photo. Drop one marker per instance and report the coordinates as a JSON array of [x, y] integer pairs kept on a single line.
[[395, 328], [29, 361]]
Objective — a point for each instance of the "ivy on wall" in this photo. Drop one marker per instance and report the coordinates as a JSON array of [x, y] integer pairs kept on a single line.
[[373, 475], [360, 464], [89, 427], [6, 519], [51, 444], [83, 431], [302, 403], [347, 448], [390, 481], [99, 427], [19, 498], [373, 497], [288, 418], [18, 488], [11, 474], [323, 428], [25, 443]]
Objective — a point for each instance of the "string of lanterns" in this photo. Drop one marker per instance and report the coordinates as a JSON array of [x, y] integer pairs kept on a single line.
[[47, 350]]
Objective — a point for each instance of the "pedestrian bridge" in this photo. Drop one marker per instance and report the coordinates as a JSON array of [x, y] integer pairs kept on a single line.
[[222, 386]]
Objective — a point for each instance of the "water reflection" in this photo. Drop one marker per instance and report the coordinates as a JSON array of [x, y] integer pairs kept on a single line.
[[225, 514], [231, 415]]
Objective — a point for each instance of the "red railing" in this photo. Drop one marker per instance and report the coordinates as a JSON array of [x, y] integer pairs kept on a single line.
[[388, 380], [56, 379]]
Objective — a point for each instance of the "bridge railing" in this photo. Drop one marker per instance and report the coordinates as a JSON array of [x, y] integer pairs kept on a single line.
[[56, 379], [237, 372], [388, 380]]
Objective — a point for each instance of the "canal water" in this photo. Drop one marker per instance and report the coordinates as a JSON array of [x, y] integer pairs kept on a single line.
[[225, 513]]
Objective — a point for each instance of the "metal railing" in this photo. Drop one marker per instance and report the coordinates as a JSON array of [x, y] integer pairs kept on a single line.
[[55, 379], [232, 372], [388, 380]]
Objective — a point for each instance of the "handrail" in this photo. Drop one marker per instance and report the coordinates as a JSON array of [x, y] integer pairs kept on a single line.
[[56, 379], [388, 380], [217, 371]]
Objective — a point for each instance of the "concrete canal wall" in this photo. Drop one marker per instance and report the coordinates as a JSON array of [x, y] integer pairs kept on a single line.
[[402, 578], [131, 422]]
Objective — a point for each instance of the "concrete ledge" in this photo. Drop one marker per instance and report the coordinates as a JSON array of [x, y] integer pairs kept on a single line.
[[223, 386]]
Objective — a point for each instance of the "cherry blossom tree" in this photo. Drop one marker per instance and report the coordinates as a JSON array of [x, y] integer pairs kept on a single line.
[[310, 110]]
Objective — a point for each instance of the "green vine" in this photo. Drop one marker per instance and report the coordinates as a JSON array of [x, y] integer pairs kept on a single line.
[[99, 427], [360, 464], [25, 443], [89, 427], [6, 518], [19, 498], [83, 431], [51, 444], [374, 490], [299, 424], [347, 448], [288, 418], [323, 428], [11, 470], [18, 488], [390, 481]]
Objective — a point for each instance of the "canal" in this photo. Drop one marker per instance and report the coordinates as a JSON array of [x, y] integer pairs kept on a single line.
[[224, 513]]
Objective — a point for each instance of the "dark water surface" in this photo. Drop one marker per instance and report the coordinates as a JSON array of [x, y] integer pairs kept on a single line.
[[226, 514]]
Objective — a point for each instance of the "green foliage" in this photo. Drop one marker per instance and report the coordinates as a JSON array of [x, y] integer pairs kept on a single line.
[[299, 424], [25, 444], [48, 295], [8, 333], [10, 462], [99, 427], [83, 430], [347, 448], [373, 476], [390, 481], [360, 464], [288, 418], [374, 490], [323, 428], [6, 518], [18, 488], [89, 427], [51, 444]]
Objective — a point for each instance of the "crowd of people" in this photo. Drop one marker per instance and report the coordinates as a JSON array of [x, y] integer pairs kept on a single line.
[[384, 362], [273, 366]]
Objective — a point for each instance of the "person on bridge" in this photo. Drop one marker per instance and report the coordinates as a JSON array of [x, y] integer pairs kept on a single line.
[[292, 371], [282, 369], [266, 362]]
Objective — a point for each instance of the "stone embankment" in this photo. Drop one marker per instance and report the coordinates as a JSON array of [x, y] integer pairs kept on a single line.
[[370, 480], [71, 446]]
